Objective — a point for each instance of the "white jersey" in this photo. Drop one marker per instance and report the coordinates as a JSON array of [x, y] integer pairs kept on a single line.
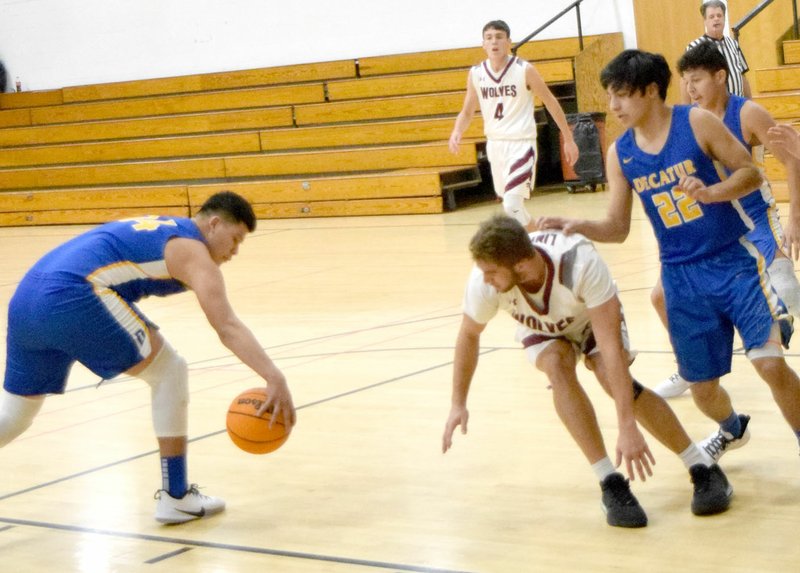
[[577, 279], [507, 104]]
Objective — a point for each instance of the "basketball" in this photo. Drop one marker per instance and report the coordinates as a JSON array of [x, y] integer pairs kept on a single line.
[[249, 431]]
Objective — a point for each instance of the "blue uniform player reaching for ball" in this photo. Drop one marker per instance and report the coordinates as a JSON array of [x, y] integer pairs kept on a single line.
[[77, 303]]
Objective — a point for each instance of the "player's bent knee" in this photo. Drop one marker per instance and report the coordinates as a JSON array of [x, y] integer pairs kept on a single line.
[[514, 206], [16, 414], [168, 377]]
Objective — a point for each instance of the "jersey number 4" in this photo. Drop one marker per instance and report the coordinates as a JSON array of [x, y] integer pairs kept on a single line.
[[498, 111], [675, 207]]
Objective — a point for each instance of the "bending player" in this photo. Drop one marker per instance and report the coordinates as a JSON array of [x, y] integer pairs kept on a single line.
[[77, 304], [504, 87], [561, 292]]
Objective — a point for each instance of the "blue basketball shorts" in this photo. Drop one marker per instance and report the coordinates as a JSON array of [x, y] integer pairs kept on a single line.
[[53, 322], [707, 299]]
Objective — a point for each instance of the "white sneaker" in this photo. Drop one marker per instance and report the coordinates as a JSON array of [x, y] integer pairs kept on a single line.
[[193, 505], [721, 441], [672, 387]]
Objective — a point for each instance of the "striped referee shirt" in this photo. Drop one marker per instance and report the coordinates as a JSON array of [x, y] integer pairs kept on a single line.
[[737, 65]]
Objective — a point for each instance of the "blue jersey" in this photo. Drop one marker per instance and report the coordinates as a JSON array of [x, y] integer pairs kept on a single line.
[[77, 303], [767, 234], [124, 256], [685, 229]]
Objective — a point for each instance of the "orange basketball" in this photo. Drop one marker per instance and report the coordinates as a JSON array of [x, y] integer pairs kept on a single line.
[[248, 430]]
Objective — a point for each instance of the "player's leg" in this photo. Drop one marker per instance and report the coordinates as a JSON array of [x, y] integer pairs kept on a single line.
[[34, 367], [675, 384], [117, 339], [781, 274], [783, 381], [512, 165], [768, 237], [712, 492], [557, 359], [167, 374], [702, 338]]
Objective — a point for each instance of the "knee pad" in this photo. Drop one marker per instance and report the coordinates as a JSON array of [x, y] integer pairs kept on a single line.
[[16, 414], [168, 377], [781, 274], [514, 206], [774, 346]]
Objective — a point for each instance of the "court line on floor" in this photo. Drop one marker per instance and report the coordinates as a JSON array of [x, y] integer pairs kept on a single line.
[[222, 431], [229, 547]]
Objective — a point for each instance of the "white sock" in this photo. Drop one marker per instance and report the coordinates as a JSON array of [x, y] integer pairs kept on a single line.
[[694, 455], [603, 468]]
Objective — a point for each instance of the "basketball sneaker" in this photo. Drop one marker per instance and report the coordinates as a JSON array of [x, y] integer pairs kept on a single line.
[[712, 492], [721, 441], [193, 505], [672, 387], [621, 507]]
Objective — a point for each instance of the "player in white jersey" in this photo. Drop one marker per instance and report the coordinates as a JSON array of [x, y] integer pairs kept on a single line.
[[560, 291], [504, 87]]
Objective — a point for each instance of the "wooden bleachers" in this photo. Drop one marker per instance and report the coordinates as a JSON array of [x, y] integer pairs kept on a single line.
[[350, 137], [779, 91]]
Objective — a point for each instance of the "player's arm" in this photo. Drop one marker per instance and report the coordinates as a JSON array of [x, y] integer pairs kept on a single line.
[[464, 118], [464, 365], [189, 261], [617, 223], [631, 445], [539, 88], [721, 145], [756, 125]]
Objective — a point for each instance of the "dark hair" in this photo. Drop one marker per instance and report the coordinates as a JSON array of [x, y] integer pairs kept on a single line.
[[497, 25], [501, 240], [712, 4], [231, 207], [635, 70], [704, 56]]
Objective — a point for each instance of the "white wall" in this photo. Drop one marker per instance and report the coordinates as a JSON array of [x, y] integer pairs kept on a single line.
[[56, 43]]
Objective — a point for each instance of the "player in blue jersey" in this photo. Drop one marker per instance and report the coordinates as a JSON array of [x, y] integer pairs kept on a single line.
[[704, 72], [714, 279], [77, 303]]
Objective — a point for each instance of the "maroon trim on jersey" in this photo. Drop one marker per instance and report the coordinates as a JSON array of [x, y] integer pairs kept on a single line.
[[534, 339], [499, 78], [548, 286]]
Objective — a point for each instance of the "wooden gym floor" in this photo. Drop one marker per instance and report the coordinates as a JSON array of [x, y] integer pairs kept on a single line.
[[361, 314]]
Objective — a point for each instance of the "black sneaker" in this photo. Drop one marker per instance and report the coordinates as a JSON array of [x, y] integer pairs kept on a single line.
[[712, 492], [721, 441], [621, 507]]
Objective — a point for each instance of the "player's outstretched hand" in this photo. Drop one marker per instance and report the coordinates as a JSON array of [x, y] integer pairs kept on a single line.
[[785, 137], [459, 416], [565, 225], [634, 451], [791, 233]]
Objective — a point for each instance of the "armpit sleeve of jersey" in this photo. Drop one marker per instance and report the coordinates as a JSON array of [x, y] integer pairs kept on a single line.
[[480, 300], [593, 283]]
